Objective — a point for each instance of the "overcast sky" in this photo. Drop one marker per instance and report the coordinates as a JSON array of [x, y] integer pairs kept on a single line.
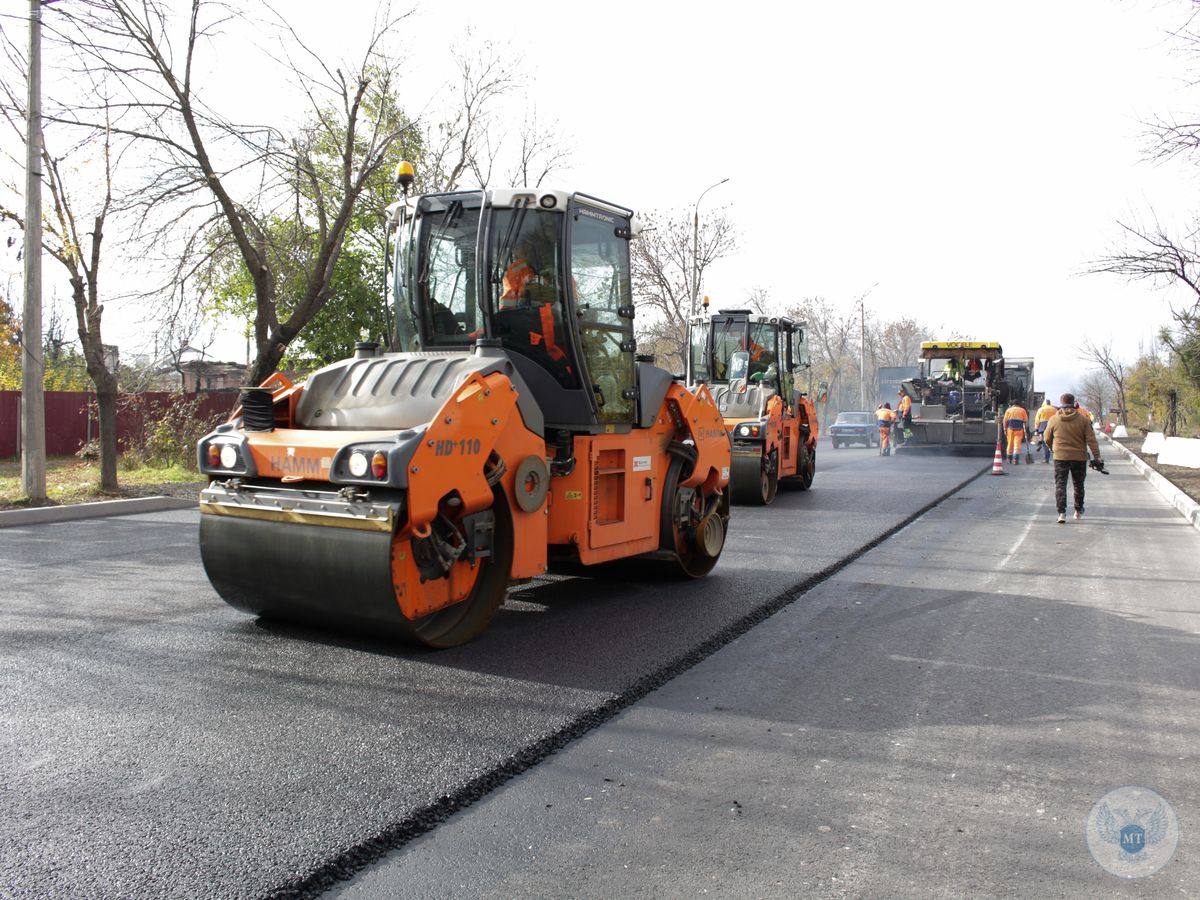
[[962, 162]]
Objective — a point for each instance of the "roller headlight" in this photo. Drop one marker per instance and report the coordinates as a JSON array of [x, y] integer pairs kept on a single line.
[[229, 456], [358, 464]]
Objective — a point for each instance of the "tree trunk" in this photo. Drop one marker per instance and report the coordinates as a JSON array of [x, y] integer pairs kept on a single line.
[[266, 362], [106, 400]]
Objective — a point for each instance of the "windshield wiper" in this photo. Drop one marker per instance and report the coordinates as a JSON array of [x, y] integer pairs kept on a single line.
[[449, 219], [504, 249]]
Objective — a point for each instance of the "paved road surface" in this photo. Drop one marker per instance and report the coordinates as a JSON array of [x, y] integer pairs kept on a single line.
[[935, 720], [158, 743]]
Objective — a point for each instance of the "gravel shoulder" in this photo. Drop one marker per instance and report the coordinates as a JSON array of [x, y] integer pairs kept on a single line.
[[1187, 480]]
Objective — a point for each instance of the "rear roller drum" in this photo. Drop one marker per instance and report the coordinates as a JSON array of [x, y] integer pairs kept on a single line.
[[692, 526], [806, 469]]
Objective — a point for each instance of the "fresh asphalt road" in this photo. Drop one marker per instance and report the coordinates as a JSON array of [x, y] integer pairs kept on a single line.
[[159, 743], [937, 719]]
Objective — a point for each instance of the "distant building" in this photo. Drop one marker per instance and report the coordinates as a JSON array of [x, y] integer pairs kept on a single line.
[[205, 375]]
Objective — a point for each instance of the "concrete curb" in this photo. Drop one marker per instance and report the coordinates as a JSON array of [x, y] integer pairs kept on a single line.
[[1186, 506], [44, 514]]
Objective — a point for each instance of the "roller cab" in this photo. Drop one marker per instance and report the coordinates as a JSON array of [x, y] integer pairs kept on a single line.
[[509, 426], [752, 363]]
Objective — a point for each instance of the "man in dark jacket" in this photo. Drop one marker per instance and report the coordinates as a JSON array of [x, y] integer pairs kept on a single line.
[[1069, 436]]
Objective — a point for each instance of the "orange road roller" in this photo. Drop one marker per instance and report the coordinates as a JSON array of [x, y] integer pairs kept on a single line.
[[510, 427], [752, 363]]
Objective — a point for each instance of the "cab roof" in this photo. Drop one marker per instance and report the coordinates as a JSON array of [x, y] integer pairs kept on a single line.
[[961, 349]]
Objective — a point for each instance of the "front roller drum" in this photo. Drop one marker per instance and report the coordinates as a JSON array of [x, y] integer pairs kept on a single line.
[[753, 480], [342, 578]]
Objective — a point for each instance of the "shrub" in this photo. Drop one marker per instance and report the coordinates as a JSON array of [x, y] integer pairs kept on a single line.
[[169, 431]]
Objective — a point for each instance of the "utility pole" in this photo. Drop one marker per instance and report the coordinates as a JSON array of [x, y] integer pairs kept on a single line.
[[696, 247], [33, 410], [862, 352], [862, 346]]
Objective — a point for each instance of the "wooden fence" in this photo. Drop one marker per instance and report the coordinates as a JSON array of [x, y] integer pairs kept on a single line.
[[71, 416]]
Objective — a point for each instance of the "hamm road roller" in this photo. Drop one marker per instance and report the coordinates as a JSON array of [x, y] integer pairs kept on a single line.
[[509, 427], [752, 361]]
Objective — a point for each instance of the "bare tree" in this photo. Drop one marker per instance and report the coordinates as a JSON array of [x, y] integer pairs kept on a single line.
[[1095, 391], [67, 237], [1114, 368], [833, 344], [1151, 254], [466, 143], [662, 259], [898, 343], [216, 180]]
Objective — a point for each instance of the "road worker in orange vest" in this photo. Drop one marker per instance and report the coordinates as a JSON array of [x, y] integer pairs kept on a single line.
[[885, 418], [1016, 424], [1040, 419], [903, 416]]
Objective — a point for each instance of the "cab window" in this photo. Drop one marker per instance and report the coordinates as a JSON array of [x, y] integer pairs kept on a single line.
[[445, 290], [526, 290], [600, 279]]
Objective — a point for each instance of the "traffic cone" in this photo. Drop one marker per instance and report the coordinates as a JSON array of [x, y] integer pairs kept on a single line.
[[998, 462]]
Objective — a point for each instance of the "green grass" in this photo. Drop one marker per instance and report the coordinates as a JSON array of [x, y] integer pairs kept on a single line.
[[70, 480]]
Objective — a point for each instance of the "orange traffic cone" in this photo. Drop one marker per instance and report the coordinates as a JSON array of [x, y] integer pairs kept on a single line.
[[998, 462]]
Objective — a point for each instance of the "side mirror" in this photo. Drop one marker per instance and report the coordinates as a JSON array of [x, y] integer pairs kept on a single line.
[[739, 365], [823, 392]]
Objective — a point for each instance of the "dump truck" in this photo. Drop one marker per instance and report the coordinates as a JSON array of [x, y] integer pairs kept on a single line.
[[961, 394], [508, 428], [751, 363]]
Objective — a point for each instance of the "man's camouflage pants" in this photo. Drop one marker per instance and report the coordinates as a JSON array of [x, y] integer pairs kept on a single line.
[[1076, 470]]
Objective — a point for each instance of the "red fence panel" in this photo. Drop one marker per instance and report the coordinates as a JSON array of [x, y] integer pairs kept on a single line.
[[10, 422], [71, 417]]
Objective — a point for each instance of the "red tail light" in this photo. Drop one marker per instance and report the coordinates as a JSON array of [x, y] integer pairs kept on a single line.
[[379, 465], [214, 455]]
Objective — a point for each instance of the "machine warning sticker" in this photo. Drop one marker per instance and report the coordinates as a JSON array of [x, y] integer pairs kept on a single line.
[[724, 471], [641, 464], [573, 495]]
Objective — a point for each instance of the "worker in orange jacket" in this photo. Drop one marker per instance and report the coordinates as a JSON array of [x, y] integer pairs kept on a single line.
[[1016, 424], [903, 416], [523, 287], [517, 277], [1040, 420], [885, 419]]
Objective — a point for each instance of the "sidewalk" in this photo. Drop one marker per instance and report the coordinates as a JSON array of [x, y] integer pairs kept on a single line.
[[40, 515]]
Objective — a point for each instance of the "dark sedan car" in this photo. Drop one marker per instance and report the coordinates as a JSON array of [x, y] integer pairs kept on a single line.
[[855, 428]]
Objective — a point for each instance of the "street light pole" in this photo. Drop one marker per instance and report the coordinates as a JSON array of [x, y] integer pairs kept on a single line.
[[696, 245]]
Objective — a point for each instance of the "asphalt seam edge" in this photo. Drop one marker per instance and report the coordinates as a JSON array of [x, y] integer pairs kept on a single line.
[[425, 819]]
